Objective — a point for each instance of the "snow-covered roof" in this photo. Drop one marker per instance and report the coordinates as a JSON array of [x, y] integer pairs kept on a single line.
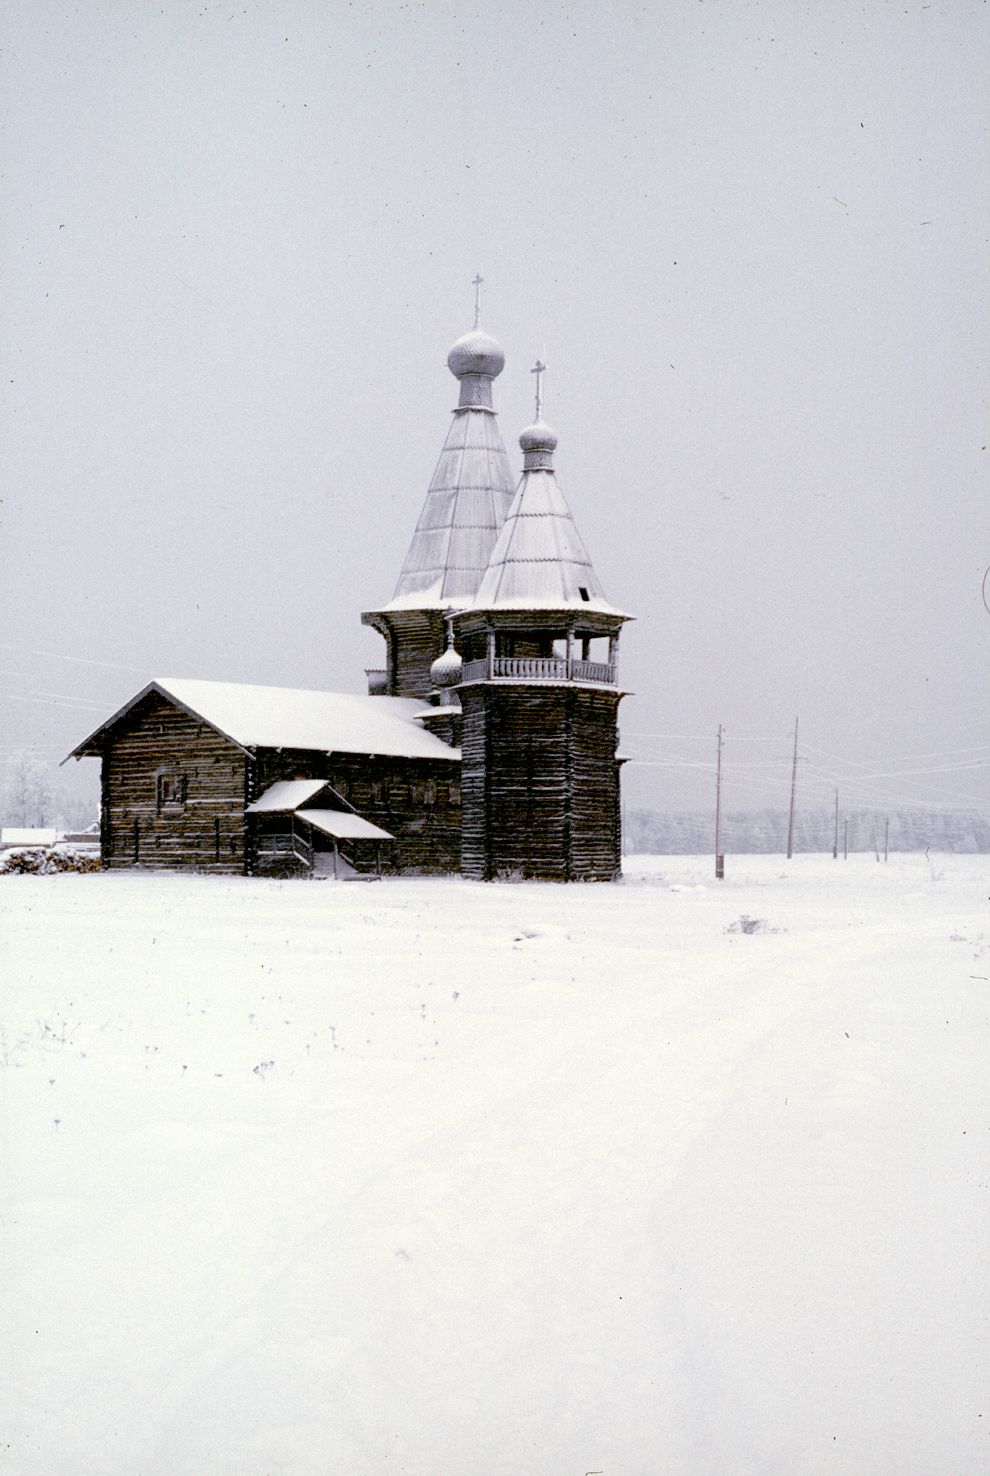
[[539, 561], [287, 717], [469, 495], [23, 835], [343, 826], [285, 794]]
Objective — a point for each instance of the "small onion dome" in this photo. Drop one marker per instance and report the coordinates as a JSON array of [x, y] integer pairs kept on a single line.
[[476, 353], [538, 437], [446, 671], [538, 442]]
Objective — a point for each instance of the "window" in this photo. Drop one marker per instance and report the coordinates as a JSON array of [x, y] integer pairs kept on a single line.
[[582, 591], [171, 789]]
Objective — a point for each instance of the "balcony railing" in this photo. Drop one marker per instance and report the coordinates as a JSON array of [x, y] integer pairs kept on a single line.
[[540, 669]]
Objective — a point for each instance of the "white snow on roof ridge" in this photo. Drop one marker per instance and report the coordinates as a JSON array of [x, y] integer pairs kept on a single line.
[[291, 717]]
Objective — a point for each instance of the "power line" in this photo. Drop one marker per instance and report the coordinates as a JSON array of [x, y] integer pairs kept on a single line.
[[64, 656], [77, 704]]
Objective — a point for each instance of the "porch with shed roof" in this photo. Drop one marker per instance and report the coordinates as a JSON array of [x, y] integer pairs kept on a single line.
[[300, 825]]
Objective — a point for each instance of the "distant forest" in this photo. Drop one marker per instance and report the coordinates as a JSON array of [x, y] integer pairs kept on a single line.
[[691, 833]]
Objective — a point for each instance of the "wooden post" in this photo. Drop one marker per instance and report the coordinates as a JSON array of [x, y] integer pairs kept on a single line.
[[491, 653], [570, 653], [790, 819]]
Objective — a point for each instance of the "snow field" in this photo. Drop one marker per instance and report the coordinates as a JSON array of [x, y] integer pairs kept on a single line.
[[440, 1178]]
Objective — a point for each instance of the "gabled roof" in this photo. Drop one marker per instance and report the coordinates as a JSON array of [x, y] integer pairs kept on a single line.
[[287, 717]]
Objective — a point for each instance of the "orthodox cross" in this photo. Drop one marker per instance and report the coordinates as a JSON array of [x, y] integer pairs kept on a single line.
[[477, 298], [539, 369]]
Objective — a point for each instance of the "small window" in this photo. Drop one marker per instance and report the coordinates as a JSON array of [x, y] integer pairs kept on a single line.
[[171, 789], [582, 591]]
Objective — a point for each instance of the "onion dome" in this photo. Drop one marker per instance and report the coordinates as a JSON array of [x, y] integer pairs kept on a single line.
[[447, 670], [538, 442], [476, 353], [476, 360]]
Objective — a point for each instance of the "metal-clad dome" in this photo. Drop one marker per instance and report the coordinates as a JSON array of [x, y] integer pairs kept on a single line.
[[446, 671], [476, 353], [538, 437]]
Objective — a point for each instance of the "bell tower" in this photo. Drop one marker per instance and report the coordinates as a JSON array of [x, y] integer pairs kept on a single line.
[[465, 507], [539, 694]]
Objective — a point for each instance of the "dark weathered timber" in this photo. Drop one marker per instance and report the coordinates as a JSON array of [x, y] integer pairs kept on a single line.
[[159, 750], [157, 742], [414, 639], [540, 783], [415, 800]]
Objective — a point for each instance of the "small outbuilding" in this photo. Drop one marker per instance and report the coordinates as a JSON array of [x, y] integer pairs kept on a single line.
[[27, 838]]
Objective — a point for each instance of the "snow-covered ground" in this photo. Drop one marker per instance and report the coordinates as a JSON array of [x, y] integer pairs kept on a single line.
[[448, 1179]]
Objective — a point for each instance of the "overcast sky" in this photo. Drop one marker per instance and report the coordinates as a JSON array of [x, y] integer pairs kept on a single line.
[[750, 239]]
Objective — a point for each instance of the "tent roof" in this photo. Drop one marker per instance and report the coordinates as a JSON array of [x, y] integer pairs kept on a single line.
[[539, 561]]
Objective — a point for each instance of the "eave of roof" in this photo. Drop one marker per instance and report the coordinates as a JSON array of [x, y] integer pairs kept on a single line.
[[253, 717]]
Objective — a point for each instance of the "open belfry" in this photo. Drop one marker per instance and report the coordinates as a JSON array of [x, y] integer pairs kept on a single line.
[[486, 742]]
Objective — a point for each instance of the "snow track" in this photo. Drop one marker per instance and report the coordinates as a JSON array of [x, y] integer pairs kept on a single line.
[[437, 1178]]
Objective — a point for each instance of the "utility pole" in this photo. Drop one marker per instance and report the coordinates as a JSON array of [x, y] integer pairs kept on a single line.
[[886, 836], [845, 839], [790, 821], [719, 858], [835, 843]]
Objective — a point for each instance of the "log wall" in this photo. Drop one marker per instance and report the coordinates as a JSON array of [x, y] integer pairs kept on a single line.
[[416, 800], [415, 639], [540, 783], [172, 793]]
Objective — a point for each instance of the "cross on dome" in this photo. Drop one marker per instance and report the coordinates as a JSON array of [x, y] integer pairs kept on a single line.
[[477, 284], [539, 369]]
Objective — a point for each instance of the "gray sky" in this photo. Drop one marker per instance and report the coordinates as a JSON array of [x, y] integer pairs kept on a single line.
[[751, 239]]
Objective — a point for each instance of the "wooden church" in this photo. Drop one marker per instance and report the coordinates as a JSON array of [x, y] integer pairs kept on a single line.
[[486, 743]]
